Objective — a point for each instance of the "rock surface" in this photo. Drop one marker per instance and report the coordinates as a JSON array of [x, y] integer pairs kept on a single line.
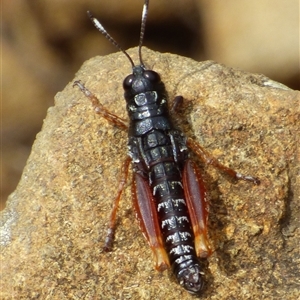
[[54, 224]]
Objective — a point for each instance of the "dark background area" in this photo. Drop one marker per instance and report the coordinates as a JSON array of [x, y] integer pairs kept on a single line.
[[44, 43]]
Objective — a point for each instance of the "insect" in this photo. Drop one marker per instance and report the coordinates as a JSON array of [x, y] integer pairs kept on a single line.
[[169, 194]]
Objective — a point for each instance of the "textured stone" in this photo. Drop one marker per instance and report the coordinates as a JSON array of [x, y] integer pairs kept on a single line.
[[54, 224], [43, 45]]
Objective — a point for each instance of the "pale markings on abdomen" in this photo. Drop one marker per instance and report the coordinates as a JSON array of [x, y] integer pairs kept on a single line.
[[168, 204], [182, 258], [181, 249], [164, 186], [173, 221], [178, 237]]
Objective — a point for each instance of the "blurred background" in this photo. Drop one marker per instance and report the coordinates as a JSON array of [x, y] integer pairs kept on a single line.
[[44, 43]]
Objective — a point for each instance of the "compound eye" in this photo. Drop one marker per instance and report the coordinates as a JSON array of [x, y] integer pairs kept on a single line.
[[127, 83], [152, 76]]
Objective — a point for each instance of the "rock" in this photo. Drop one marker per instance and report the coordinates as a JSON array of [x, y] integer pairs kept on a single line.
[[239, 34], [53, 227], [60, 46]]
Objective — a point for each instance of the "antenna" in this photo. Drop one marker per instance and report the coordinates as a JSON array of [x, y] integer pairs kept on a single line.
[[143, 26], [100, 27]]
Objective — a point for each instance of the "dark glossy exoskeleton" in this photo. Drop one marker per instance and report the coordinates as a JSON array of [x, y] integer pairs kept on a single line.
[[168, 192], [159, 155]]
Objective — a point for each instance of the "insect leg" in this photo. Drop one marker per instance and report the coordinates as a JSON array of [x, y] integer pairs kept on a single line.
[[176, 104], [100, 109], [112, 221], [148, 221], [206, 157], [197, 203]]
